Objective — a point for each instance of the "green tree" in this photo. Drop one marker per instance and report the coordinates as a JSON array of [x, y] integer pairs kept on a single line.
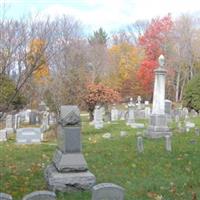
[[7, 90], [191, 94], [99, 37]]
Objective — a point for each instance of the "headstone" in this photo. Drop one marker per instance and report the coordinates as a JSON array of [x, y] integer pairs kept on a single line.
[[168, 106], [4, 196], [189, 124], [9, 123], [197, 131], [158, 126], [137, 125], [107, 191], [28, 135], [107, 136], [69, 170], [3, 135], [114, 114], [131, 115], [146, 103], [17, 121], [98, 117], [32, 118], [140, 147], [185, 112], [123, 133], [193, 113], [40, 195], [168, 145], [27, 115], [139, 99], [147, 111]]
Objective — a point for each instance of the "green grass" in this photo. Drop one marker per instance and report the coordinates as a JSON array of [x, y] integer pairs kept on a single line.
[[149, 175]]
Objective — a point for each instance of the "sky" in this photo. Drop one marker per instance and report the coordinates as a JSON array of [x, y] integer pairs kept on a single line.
[[111, 15]]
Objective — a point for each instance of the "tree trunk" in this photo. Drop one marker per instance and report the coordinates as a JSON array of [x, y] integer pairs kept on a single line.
[[177, 86]]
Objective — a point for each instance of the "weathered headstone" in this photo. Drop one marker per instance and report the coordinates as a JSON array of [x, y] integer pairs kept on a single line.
[[27, 115], [32, 118], [158, 126], [114, 114], [147, 111], [28, 135], [9, 123], [69, 170], [98, 117], [197, 131], [168, 106], [40, 195], [106, 135], [4, 196], [17, 121], [3, 135], [139, 99], [140, 147], [107, 191], [185, 112], [123, 133], [131, 115], [168, 145]]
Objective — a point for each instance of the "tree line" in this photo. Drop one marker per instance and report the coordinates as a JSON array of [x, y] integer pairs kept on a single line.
[[54, 60]]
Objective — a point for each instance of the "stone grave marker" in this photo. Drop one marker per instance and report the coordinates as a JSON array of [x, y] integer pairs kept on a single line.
[[32, 118], [4, 196], [197, 131], [40, 195], [114, 114], [140, 146], [69, 170], [123, 133], [107, 191], [168, 145], [98, 117], [27, 115], [17, 120], [168, 106], [28, 135], [9, 123], [131, 115], [3, 135]]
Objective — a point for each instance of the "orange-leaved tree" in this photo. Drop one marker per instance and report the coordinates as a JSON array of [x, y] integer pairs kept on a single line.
[[99, 94]]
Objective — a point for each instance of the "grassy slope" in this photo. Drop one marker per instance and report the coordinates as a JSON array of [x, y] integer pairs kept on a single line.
[[144, 176]]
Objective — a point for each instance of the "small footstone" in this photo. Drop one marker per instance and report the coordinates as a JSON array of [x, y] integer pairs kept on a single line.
[[40, 195], [4, 196]]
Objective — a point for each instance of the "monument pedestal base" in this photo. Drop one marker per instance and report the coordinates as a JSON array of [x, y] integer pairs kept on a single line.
[[68, 182], [158, 127]]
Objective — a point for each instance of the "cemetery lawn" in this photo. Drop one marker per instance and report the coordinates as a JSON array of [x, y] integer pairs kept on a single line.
[[154, 174]]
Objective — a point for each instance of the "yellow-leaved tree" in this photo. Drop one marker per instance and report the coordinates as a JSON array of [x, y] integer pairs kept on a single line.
[[125, 59]]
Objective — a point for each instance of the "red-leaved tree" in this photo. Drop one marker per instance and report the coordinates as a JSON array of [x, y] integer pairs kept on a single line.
[[99, 94], [153, 41]]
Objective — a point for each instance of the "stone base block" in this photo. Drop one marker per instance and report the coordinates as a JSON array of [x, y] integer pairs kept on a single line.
[[68, 182], [158, 127], [70, 162]]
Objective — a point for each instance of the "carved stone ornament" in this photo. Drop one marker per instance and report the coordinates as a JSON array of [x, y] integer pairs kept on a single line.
[[71, 119]]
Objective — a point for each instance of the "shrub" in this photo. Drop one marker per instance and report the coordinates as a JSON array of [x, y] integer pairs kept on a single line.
[[191, 95]]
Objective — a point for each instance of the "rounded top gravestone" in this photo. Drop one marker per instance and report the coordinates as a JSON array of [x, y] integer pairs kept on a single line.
[[40, 195]]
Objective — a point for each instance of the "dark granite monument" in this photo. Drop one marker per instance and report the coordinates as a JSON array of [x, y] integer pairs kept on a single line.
[[69, 170]]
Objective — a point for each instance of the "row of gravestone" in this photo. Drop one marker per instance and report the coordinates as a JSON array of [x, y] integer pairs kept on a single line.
[[29, 135], [102, 191]]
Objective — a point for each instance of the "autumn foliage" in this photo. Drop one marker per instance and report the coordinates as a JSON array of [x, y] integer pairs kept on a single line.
[[100, 94], [153, 41]]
